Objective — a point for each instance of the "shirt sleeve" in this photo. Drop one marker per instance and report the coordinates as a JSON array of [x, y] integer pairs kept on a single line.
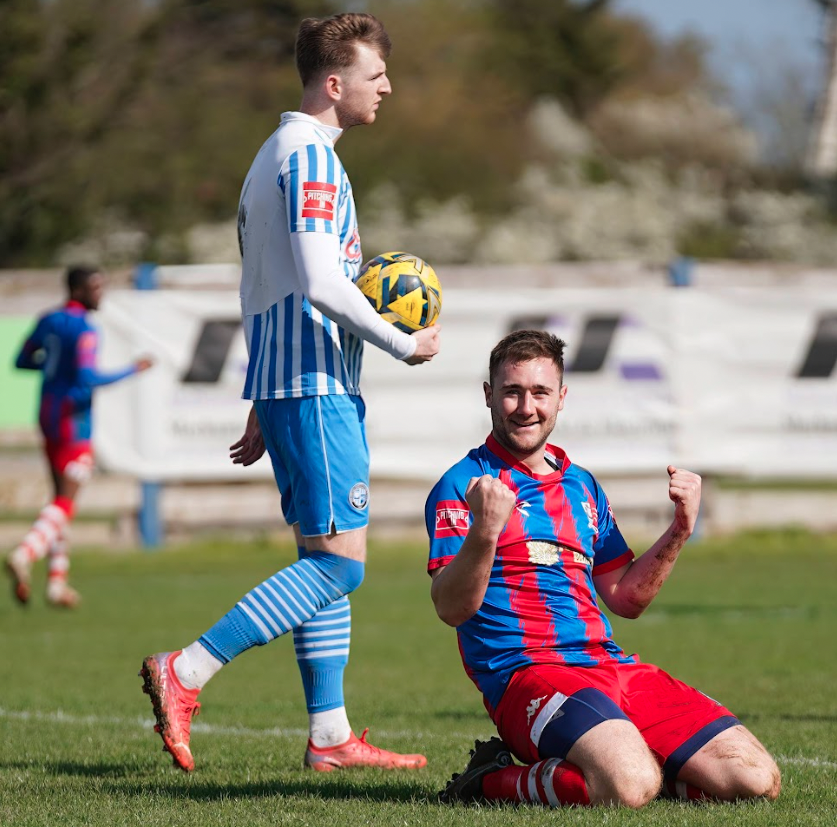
[[317, 259], [310, 181], [31, 356], [448, 519], [86, 363], [610, 549]]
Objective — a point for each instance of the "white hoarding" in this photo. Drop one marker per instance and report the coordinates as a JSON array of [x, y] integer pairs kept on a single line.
[[725, 381]]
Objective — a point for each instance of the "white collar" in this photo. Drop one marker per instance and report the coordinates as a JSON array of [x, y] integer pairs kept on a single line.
[[332, 132]]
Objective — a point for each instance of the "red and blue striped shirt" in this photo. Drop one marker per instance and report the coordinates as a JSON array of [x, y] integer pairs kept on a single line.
[[63, 348], [540, 605]]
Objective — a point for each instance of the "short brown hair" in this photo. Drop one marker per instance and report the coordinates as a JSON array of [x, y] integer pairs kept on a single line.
[[325, 44], [523, 346]]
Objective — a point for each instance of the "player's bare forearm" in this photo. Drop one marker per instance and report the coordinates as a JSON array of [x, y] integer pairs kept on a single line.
[[644, 578], [459, 588], [629, 591]]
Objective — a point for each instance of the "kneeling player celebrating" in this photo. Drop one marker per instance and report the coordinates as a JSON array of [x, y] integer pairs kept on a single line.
[[520, 541]]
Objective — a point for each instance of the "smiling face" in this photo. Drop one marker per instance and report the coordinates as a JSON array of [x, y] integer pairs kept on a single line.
[[360, 88], [524, 401]]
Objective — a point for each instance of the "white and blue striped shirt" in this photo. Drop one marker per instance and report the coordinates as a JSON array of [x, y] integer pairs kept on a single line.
[[296, 184]]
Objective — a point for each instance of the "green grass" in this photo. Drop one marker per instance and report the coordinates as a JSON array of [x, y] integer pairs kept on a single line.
[[749, 620]]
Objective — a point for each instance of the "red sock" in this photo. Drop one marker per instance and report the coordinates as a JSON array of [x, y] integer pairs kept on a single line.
[[684, 792], [552, 782], [66, 505]]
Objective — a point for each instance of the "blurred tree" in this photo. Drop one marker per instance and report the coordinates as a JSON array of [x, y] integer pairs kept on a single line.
[[564, 48], [67, 68], [150, 111], [223, 72], [452, 126]]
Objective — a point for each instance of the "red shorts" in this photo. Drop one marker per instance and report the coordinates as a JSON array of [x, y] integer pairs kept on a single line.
[[675, 719], [72, 458]]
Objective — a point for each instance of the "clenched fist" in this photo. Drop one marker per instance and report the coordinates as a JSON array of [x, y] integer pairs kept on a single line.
[[684, 492], [491, 502]]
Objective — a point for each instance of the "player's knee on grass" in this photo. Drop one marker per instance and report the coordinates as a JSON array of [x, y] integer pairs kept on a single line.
[[733, 766], [764, 781], [593, 733]]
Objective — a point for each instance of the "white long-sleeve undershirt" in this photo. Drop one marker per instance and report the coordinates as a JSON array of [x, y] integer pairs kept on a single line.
[[323, 282]]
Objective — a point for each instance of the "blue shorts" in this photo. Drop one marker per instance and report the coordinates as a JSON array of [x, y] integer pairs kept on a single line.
[[320, 460]]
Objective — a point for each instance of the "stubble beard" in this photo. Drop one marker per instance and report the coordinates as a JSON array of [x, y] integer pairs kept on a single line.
[[508, 441], [348, 117]]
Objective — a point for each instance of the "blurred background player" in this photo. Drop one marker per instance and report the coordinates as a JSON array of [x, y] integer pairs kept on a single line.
[[305, 323], [63, 348], [520, 541]]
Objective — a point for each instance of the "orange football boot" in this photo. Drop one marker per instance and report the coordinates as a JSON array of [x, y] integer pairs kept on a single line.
[[174, 706], [357, 752]]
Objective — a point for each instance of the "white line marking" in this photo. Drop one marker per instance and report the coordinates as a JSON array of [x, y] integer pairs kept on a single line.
[[805, 762], [58, 716], [61, 717]]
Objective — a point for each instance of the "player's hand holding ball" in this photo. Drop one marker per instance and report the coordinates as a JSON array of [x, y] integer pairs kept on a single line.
[[491, 502], [684, 492], [427, 345]]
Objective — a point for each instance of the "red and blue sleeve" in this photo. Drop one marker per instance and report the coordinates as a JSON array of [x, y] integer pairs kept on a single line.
[[611, 551], [88, 373], [448, 518], [31, 356]]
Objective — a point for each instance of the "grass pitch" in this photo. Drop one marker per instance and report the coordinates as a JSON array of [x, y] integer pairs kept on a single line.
[[750, 621]]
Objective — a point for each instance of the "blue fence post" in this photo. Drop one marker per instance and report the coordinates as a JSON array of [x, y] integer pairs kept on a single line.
[[145, 276], [149, 519], [150, 524], [681, 271]]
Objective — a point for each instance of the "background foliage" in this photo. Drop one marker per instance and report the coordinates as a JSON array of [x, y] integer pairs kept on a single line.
[[138, 120]]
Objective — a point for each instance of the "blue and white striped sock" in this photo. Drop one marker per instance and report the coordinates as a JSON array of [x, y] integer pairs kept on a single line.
[[283, 602], [322, 652]]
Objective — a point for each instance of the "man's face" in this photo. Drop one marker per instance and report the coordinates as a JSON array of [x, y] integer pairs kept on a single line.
[[362, 85], [90, 293], [524, 402]]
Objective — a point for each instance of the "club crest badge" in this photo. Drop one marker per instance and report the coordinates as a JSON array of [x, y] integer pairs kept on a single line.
[[359, 496]]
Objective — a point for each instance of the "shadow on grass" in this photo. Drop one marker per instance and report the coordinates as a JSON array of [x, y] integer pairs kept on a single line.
[[462, 715], [365, 787], [101, 770], [326, 789]]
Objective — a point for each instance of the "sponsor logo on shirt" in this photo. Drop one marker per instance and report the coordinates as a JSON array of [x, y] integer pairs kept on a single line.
[[318, 200], [352, 247], [543, 554], [592, 515], [452, 517], [523, 507]]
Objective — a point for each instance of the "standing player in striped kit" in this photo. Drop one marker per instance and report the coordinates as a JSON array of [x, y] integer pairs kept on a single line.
[[305, 324], [521, 539], [63, 348]]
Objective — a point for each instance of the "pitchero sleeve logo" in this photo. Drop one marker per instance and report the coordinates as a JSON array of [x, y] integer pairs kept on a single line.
[[452, 518], [318, 200]]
